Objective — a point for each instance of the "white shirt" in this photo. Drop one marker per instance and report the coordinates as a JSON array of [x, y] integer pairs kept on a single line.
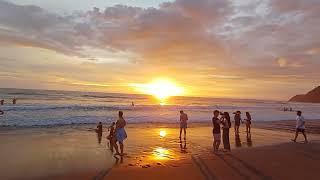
[[300, 122]]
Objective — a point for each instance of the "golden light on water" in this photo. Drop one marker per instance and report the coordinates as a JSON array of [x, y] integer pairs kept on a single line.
[[161, 153], [163, 133], [161, 88]]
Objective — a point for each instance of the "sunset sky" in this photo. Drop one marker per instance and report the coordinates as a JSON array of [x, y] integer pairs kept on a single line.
[[265, 49]]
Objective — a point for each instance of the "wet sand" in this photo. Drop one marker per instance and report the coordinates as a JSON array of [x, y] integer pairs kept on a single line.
[[73, 152]]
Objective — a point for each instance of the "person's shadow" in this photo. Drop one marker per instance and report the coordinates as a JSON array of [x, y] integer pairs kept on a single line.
[[183, 146], [237, 140], [118, 160], [249, 140]]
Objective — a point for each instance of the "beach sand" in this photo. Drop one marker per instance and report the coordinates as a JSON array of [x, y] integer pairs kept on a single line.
[[73, 152]]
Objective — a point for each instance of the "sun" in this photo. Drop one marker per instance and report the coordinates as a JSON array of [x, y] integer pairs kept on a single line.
[[163, 133], [160, 88]]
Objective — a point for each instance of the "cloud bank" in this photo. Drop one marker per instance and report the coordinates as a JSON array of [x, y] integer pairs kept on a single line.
[[257, 41]]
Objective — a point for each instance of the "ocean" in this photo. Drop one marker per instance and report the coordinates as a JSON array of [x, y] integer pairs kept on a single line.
[[53, 108]]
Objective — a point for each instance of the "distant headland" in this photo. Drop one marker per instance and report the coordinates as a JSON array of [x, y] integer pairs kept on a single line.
[[312, 97]]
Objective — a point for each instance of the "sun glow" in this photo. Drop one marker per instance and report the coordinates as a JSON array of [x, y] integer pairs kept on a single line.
[[160, 88], [163, 133]]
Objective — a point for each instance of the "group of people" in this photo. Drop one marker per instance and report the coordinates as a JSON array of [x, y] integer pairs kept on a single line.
[[220, 119], [14, 101], [117, 134]]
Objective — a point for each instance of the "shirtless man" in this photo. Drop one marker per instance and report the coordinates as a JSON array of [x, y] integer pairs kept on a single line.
[[183, 124]]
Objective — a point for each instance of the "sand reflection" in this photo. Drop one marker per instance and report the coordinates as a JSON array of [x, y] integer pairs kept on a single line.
[[161, 153]]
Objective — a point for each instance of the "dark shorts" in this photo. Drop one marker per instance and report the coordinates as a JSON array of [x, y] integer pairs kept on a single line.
[[300, 130], [183, 125]]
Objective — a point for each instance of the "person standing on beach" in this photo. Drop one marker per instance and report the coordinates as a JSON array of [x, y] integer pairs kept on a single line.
[[1, 103], [14, 100], [111, 135], [99, 132], [248, 122], [183, 124], [216, 131], [300, 127], [120, 134], [226, 125], [237, 121]]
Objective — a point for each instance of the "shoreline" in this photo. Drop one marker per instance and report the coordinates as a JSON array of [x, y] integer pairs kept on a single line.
[[312, 125]]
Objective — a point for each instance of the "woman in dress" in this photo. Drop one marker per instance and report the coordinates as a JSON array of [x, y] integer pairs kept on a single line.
[[120, 134]]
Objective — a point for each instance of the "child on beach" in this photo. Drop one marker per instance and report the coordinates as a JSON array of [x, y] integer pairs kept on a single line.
[[300, 127], [110, 137], [248, 122], [216, 131]]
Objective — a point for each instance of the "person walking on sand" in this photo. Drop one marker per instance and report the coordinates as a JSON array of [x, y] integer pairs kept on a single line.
[[183, 124], [248, 122], [226, 125], [120, 134], [300, 127], [216, 131], [237, 121]]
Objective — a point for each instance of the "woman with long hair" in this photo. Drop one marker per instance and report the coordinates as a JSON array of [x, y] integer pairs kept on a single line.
[[248, 122], [226, 125]]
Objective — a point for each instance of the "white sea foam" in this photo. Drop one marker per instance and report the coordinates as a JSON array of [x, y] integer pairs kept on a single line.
[[47, 108]]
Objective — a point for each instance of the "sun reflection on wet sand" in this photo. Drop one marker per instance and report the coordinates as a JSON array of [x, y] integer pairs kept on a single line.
[[160, 153]]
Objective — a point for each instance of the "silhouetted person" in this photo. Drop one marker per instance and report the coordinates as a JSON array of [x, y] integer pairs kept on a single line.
[[248, 122], [226, 125], [120, 134], [2, 102], [111, 135], [237, 140], [183, 124], [99, 131], [300, 127], [132, 104], [237, 121], [216, 131], [14, 100]]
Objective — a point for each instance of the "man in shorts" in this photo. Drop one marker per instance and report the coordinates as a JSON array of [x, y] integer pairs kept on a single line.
[[300, 127], [183, 124], [216, 131]]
